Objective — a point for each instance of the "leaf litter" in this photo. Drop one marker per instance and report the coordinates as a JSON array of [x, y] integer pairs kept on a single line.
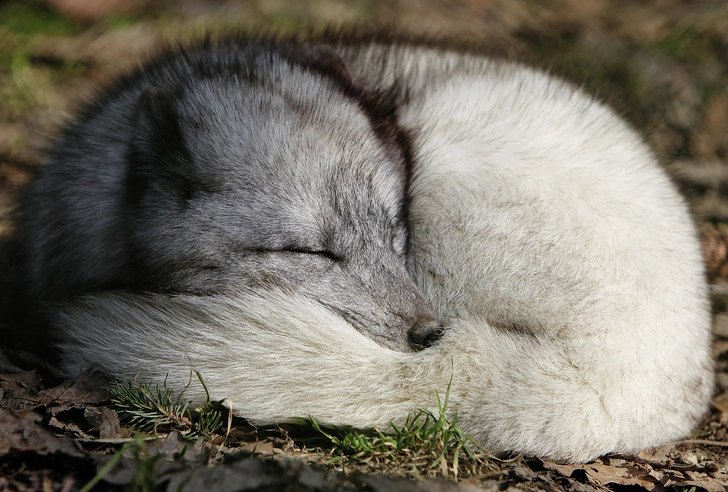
[[70, 421]]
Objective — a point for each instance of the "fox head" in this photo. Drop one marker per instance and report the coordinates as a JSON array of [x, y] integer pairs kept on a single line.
[[274, 171]]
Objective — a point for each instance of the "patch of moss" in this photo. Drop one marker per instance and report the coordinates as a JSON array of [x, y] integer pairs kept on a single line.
[[117, 21], [26, 86], [719, 303], [689, 45], [20, 21], [29, 18]]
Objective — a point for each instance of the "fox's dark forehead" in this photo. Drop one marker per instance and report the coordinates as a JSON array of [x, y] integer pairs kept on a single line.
[[254, 133], [310, 167]]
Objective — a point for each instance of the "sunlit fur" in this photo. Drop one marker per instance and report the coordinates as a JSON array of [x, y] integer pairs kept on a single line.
[[560, 257]]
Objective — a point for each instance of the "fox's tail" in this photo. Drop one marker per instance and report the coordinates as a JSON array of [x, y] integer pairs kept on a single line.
[[278, 356]]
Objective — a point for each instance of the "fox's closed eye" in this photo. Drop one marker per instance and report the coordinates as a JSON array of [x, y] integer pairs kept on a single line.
[[317, 252]]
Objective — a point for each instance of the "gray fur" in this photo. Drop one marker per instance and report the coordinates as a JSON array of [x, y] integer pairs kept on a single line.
[[197, 178]]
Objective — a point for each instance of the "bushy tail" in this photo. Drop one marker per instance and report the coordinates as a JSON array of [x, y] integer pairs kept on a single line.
[[277, 356]]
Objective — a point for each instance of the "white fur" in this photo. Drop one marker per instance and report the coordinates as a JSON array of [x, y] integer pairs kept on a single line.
[[545, 233]]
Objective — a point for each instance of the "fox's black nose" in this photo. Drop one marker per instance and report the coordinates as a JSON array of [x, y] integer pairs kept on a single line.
[[424, 333]]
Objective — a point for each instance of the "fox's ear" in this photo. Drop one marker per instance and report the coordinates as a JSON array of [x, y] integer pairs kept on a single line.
[[328, 59], [158, 161]]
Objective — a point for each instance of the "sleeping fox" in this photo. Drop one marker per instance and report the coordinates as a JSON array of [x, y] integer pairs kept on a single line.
[[340, 227]]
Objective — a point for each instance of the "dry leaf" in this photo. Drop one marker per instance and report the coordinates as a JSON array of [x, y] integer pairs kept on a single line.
[[260, 447], [107, 422], [24, 434], [20, 391], [601, 474], [90, 388]]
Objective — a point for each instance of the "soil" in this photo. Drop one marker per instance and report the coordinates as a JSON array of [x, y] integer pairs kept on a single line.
[[662, 64]]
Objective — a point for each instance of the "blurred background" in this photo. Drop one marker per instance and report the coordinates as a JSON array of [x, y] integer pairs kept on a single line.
[[662, 63]]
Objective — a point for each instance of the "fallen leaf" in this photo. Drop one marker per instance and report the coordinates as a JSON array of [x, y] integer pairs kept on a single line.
[[24, 434], [601, 474], [106, 420], [90, 388], [27, 379], [20, 391], [691, 479], [260, 447], [70, 428], [660, 456]]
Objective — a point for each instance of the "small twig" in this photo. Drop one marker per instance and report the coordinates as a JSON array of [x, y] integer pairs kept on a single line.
[[705, 442]]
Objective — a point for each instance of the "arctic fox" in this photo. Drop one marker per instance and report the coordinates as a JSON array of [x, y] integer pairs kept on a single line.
[[556, 252]]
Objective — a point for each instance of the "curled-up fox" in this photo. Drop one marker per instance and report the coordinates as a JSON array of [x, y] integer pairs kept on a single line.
[[339, 227]]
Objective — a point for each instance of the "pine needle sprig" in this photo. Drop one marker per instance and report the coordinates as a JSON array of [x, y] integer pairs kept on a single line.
[[152, 408]]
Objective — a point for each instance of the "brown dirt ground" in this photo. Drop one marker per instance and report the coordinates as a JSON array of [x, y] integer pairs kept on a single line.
[[663, 64]]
